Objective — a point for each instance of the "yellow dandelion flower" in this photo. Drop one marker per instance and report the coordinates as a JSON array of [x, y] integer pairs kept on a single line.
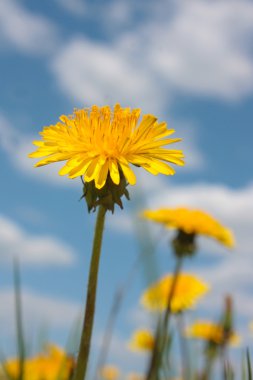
[[135, 376], [109, 372], [192, 222], [187, 291], [100, 142], [210, 331], [51, 365], [142, 340]]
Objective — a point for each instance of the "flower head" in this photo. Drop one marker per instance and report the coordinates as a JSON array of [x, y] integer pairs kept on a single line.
[[212, 332], [99, 143], [192, 222], [50, 365], [187, 291], [109, 372], [142, 340]]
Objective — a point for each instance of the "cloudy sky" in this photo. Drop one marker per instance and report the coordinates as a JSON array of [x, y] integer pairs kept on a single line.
[[190, 64]]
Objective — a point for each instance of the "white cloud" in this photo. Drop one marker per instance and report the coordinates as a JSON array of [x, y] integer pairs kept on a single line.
[[38, 310], [97, 73], [32, 249], [25, 30], [204, 48], [197, 47]]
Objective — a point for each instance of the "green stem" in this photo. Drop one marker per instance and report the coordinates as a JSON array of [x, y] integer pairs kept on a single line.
[[84, 348], [162, 329], [172, 291], [185, 357], [19, 324], [117, 301]]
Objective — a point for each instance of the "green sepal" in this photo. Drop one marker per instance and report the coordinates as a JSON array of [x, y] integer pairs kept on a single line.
[[108, 196], [184, 244]]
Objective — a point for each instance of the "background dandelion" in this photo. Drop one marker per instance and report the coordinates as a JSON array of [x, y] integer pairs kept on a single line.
[[188, 63]]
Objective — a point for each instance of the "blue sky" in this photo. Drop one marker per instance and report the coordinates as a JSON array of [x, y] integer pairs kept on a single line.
[[189, 63]]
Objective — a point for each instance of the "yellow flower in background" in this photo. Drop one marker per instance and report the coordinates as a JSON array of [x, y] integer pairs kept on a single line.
[[109, 372], [211, 331], [142, 340], [187, 292], [51, 365], [192, 221], [101, 142]]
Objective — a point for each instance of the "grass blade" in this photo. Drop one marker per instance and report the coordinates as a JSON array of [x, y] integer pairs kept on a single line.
[[249, 370]]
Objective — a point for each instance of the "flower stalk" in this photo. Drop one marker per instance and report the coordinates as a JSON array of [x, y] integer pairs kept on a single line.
[[162, 328], [19, 322], [84, 349]]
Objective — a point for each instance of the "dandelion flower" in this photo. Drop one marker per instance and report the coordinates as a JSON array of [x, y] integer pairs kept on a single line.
[[212, 332], [50, 365], [109, 372], [142, 340], [192, 222], [101, 142], [187, 291]]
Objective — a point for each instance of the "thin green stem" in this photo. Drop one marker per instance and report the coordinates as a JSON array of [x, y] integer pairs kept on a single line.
[[162, 329], [84, 348], [249, 369], [19, 324], [145, 256], [185, 357], [172, 291]]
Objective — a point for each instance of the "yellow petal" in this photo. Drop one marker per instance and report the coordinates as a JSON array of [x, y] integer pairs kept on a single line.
[[92, 170], [102, 175], [53, 158], [78, 170], [150, 169], [160, 166], [128, 173], [114, 171]]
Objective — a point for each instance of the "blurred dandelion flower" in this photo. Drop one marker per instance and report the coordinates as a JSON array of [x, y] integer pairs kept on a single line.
[[101, 141], [192, 222], [109, 372], [51, 365], [212, 332], [142, 340], [188, 290]]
